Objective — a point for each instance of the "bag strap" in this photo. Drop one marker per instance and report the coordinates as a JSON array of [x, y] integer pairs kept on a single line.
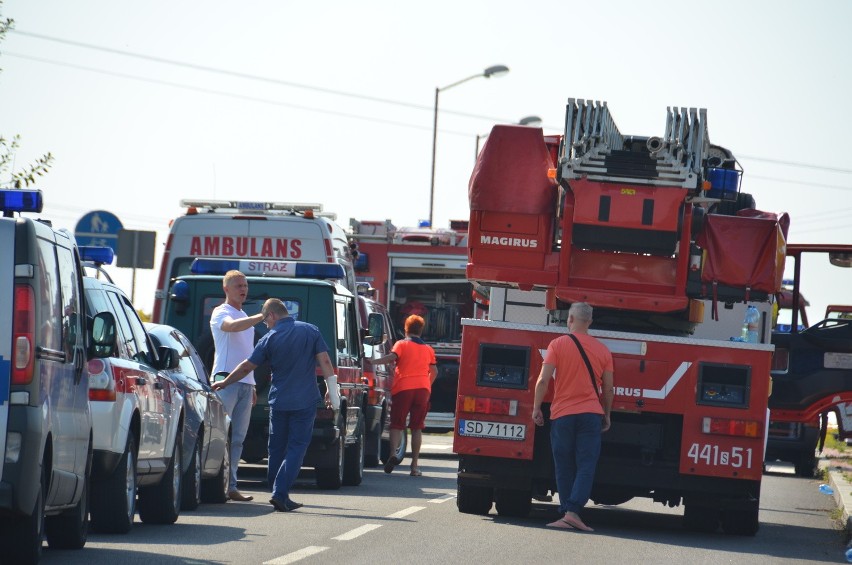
[[588, 364]]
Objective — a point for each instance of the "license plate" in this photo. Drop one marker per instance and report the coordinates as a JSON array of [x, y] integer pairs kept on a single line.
[[494, 430]]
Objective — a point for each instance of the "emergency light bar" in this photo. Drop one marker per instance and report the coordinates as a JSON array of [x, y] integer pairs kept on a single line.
[[251, 206], [19, 200], [97, 255], [286, 269]]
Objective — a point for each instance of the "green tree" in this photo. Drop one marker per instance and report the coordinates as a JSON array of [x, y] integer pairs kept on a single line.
[[28, 175]]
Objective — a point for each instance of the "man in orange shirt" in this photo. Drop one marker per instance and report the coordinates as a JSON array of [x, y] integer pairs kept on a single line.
[[416, 369], [578, 414]]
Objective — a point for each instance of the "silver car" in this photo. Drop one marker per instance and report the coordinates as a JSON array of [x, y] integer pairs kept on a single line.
[[207, 426]]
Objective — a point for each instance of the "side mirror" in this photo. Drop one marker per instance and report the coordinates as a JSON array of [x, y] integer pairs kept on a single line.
[[104, 337], [375, 329], [220, 376], [839, 259], [169, 358]]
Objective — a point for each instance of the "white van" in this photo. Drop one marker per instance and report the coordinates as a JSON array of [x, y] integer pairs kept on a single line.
[[283, 231]]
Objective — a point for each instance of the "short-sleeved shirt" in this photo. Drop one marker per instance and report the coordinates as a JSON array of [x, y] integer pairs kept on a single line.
[[412, 365], [232, 348], [291, 348], [572, 386]]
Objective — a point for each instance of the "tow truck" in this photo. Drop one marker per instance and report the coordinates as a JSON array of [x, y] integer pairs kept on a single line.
[[656, 234]]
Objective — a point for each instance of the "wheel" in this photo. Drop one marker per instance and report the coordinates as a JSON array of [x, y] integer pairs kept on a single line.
[[160, 503], [113, 502], [353, 459], [514, 503], [741, 522], [474, 500], [191, 487], [700, 518], [332, 478], [806, 465], [215, 490], [21, 538], [70, 529]]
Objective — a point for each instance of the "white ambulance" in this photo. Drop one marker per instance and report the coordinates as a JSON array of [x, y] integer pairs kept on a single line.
[[251, 230]]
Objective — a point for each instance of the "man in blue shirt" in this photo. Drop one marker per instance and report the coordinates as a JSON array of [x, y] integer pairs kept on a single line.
[[292, 349]]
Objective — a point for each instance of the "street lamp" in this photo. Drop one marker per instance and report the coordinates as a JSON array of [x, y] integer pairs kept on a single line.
[[495, 71], [531, 121]]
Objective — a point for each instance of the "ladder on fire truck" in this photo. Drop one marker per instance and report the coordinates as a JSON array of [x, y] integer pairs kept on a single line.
[[594, 147]]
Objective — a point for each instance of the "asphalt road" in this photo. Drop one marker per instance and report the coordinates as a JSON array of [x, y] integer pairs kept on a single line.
[[402, 519]]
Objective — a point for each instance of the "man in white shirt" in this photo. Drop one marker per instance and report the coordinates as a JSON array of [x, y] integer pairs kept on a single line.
[[233, 337]]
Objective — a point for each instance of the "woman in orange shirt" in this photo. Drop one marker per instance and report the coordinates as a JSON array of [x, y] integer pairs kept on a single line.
[[416, 369]]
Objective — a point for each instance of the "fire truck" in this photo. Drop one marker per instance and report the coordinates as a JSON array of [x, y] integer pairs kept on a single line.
[[422, 271], [656, 234]]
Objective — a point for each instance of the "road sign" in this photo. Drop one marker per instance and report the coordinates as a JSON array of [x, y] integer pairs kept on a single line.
[[136, 249], [99, 229]]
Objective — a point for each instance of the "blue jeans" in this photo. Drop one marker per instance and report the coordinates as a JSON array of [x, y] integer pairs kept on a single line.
[[237, 401], [576, 443], [289, 437]]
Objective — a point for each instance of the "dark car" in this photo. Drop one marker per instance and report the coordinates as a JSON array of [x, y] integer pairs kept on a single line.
[[207, 426]]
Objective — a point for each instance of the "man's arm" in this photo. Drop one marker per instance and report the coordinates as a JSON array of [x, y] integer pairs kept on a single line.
[[390, 357], [236, 375], [541, 385], [332, 389], [241, 324], [606, 398], [433, 373]]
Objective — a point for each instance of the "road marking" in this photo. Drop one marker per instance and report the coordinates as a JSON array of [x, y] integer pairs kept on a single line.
[[436, 446], [360, 531], [444, 498], [296, 555], [406, 512]]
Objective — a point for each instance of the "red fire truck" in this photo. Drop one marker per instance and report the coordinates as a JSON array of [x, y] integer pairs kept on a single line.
[[656, 235], [422, 271]]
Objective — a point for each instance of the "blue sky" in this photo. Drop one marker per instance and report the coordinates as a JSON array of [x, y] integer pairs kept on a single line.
[[145, 103]]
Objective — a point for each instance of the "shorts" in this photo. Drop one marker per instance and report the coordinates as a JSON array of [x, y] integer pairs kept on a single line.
[[414, 401]]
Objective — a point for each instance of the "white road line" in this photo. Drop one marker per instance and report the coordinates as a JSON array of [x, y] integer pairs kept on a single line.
[[436, 446], [296, 555], [444, 498], [360, 531], [406, 512]]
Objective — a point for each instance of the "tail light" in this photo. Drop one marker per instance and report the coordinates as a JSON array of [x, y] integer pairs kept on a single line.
[[101, 381], [484, 405], [23, 335], [731, 427]]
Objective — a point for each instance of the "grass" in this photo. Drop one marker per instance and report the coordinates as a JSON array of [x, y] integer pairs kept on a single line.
[[840, 455]]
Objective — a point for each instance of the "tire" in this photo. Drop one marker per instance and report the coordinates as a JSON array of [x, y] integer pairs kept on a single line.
[[474, 500], [160, 504], [70, 529], [806, 465], [215, 490], [700, 518], [21, 538], [400, 453], [353, 458], [191, 487], [513, 503], [742, 522], [113, 501]]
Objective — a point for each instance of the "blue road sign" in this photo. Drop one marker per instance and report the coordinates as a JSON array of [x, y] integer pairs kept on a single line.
[[99, 228]]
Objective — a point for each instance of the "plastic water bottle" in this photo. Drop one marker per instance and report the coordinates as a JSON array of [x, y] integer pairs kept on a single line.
[[849, 555], [751, 325], [825, 489]]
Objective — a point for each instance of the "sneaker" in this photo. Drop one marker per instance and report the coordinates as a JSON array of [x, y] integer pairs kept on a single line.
[[238, 496]]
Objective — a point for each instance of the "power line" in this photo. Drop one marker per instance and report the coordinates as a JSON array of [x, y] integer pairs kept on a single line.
[[797, 164], [800, 182]]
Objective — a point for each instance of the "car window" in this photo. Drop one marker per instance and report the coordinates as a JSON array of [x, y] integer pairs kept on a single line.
[[50, 333], [199, 371], [144, 351], [70, 296], [129, 343]]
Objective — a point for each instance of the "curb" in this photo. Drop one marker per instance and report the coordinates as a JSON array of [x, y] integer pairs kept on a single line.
[[842, 495]]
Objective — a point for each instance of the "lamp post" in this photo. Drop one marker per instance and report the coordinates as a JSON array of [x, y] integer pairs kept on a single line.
[[531, 121], [496, 70]]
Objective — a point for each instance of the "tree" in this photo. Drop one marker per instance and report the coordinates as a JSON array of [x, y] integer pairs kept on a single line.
[[8, 147]]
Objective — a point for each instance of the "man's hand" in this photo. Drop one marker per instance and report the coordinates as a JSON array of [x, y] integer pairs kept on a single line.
[[606, 423], [253, 396], [538, 417], [218, 386], [332, 395]]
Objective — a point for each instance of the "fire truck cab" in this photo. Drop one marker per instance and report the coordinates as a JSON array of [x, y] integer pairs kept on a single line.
[[655, 234]]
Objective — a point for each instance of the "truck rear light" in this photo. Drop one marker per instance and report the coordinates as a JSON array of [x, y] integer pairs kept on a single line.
[[101, 381], [484, 405], [23, 335], [780, 359], [731, 427]]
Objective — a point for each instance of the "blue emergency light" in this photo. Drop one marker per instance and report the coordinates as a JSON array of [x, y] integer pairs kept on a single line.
[[260, 267], [20, 200], [97, 255]]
